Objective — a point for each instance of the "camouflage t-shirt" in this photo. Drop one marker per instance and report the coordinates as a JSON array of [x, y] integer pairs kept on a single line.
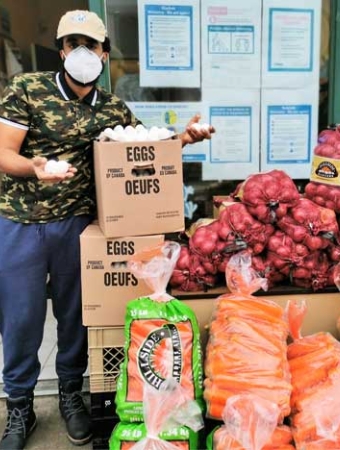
[[59, 126]]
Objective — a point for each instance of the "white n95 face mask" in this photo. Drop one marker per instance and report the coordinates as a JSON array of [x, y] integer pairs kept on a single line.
[[83, 65]]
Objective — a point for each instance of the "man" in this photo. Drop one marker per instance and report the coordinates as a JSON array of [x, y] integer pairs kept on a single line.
[[47, 116]]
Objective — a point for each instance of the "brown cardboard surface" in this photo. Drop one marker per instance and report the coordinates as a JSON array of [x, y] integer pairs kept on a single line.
[[107, 285], [139, 187]]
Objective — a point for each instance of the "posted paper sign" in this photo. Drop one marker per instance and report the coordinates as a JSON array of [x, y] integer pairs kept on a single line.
[[174, 116], [291, 43], [231, 43], [289, 130], [169, 49], [234, 148]]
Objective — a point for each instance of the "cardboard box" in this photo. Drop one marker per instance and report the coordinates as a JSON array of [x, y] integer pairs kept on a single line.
[[107, 285], [139, 187]]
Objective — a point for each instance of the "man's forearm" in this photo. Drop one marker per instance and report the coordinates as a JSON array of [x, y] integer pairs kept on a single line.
[[14, 164]]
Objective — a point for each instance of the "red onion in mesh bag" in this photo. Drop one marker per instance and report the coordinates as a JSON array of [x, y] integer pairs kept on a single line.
[[189, 273], [312, 272], [324, 195], [310, 224], [243, 227], [268, 195], [266, 269]]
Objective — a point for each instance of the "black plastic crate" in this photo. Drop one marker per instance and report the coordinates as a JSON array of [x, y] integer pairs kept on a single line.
[[103, 405], [102, 429]]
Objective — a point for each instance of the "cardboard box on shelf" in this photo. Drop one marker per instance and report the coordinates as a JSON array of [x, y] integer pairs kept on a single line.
[[139, 187], [107, 285]]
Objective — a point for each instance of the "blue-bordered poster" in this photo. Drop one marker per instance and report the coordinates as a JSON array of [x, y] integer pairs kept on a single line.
[[291, 43], [169, 49], [289, 130], [231, 43], [234, 148]]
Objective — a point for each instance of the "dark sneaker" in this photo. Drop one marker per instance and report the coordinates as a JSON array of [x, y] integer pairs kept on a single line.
[[74, 412], [21, 422]]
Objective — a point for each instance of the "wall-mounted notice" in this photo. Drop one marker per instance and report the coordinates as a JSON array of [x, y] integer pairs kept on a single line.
[[174, 116], [231, 43], [234, 148], [291, 43], [169, 49], [289, 130]]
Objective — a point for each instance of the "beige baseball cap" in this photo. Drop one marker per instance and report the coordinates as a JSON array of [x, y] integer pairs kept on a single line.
[[86, 23]]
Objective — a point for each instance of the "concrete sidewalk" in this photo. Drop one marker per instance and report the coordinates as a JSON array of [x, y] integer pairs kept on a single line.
[[50, 433]]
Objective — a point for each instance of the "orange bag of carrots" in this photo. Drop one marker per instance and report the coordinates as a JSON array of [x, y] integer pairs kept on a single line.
[[247, 347], [249, 422], [314, 363], [162, 337]]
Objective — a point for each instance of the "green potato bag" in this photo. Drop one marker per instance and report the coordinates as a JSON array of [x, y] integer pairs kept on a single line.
[[124, 436], [162, 340]]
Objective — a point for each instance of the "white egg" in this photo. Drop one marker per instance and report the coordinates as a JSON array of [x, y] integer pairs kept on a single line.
[[130, 130], [118, 128], [51, 166], [140, 128], [110, 133], [163, 133], [153, 129], [205, 126], [153, 134], [196, 126], [56, 167], [114, 136], [63, 166], [142, 135]]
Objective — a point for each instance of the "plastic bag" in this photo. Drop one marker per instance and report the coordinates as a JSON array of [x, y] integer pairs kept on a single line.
[[125, 436], [164, 409], [155, 266], [315, 404], [241, 277], [295, 313], [249, 423], [247, 348], [162, 337]]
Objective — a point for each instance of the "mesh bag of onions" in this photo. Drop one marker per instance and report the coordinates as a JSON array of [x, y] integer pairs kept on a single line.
[[268, 195], [326, 194], [193, 272], [308, 223]]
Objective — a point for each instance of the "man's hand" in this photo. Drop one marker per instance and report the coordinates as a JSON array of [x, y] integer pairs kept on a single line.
[[39, 164], [193, 134]]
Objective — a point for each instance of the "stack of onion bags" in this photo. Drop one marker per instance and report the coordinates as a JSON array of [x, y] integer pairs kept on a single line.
[[291, 238]]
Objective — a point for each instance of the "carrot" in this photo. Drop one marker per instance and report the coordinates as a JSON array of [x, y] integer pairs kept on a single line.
[[250, 305], [316, 358], [280, 447], [322, 444], [282, 435], [310, 343]]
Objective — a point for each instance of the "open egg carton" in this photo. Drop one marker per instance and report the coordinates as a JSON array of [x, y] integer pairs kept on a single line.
[[136, 134]]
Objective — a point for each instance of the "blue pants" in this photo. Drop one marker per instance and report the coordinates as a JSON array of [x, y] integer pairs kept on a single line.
[[28, 252]]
